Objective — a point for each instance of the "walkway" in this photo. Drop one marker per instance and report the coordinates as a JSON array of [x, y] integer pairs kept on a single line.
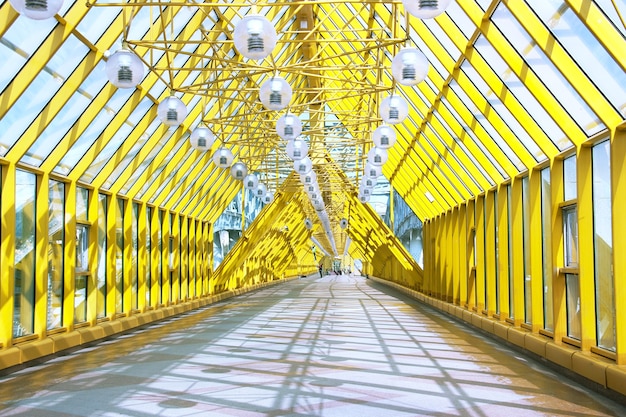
[[337, 346]]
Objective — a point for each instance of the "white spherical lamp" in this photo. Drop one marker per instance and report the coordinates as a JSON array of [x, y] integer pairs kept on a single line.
[[238, 171], [223, 158], [425, 9], [268, 197], [369, 182], [275, 93], [254, 37], [394, 109], [261, 190], [384, 137], [201, 138], [303, 166], [251, 182], [373, 171], [172, 111], [377, 156], [297, 149], [364, 198], [124, 69], [309, 178], [289, 126], [409, 66], [37, 9]]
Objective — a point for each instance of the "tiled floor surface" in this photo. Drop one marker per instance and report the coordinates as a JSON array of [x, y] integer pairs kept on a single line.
[[337, 346]]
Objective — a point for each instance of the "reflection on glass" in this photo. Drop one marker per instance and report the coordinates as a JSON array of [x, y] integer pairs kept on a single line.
[[102, 246], [82, 204], [148, 254], [526, 230], [546, 249], [25, 227], [56, 243], [134, 273], [80, 298], [603, 247], [82, 248], [569, 178], [497, 250], [119, 255], [587, 51], [570, 224], [573, 305]]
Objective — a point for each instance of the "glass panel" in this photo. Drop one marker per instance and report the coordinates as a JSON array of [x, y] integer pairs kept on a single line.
[[21, 41], [459, 17], [25, 228], [609, 9], [573, 305], [514, 86], [82, 204], [102, 258], [486, 124], [92, 133], [148, 254], [64, 121], [497, 254], [570, 223], [588, 53], [546, 246], [56, 243], [82, 265], [510, 246], [526, 233], [603, 246], [227, 230], [118, 138], [547, 71], [569, 177], [159, 249], [93, 25], [134, 273], [119, 256]]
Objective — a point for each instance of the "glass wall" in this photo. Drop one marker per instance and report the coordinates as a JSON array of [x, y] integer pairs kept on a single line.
[[603, 246], [119, 256], [546, 248], [56, 244], [526, 229], [570, 238], [134, 274], [25, 227], [148, 254], [101, 278], [82, 255], [509, 195]]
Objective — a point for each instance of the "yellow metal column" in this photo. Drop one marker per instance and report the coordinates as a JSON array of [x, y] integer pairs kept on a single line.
[[463, 256], [128, 256], [559, 302], [517, 247], [207, 273], [456, 259], [183, 257], [480, 254], [490, 253], [618, 188], [155, 256], [69, 261], [166, 294], [503, 266], [92, 279], [142, 257], [446, 282], [471, 256], [111, 267], [584, 175], [41, 265], [536, 250]]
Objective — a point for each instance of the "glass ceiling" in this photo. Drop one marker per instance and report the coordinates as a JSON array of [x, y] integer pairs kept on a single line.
[[510, 86]]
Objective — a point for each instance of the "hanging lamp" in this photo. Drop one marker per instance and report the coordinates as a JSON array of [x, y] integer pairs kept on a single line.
[[377, 156], [124, 69], [426, 9], [394, 109], [254, 37], [409, 66], [223, 158], [297, 149], [289, 126], [384, 137], [202, 138], [37, 9], [275, 93], [251, 182], [172, 111], [238, 171]]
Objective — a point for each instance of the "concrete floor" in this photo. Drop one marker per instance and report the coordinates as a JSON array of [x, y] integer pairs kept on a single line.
[[337, 346]]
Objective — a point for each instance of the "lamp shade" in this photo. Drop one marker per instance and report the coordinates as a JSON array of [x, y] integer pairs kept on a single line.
[[373, 171], [309, 178], [409, 66], [311, 188], [297, 149], [238, 171], [251, 182], [201, 138], [261, 190], [308, 223], [275, 93], [268, 197], [124, 69], [223, 158], [289, 126], [366, 192], [364, 198], [425, 9], [172, 111], [394, 109], [303, 166], [384, 137], [254, 37], [377, 156], [369, 182], [37, 9], [343, 223]]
